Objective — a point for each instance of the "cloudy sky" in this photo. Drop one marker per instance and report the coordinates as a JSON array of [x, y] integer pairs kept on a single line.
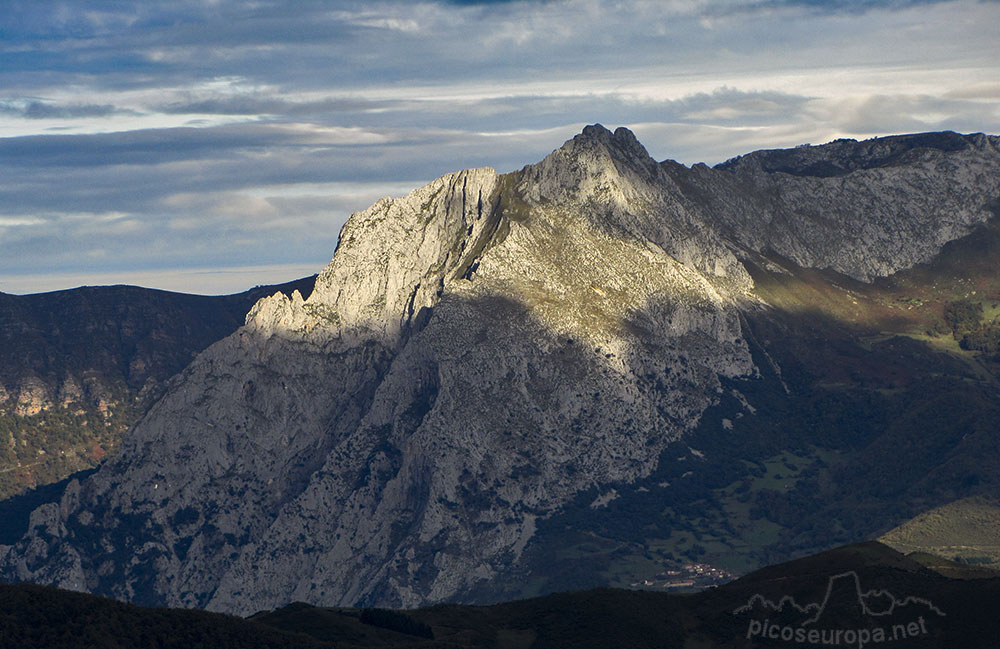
[[211, 145]]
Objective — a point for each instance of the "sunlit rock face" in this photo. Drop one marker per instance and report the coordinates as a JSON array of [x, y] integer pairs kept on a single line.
[[476, 354]]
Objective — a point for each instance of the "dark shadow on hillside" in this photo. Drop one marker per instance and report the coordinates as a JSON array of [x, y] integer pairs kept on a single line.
[[855, 425], [79, 367]]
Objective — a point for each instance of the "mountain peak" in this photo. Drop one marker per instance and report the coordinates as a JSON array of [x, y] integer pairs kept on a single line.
[[596, 161], [596, 130], [621, 143]]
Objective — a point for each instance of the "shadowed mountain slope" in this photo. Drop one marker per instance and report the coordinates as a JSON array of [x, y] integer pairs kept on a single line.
[[78, 367]]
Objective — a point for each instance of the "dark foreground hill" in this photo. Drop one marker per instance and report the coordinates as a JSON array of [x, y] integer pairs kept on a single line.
[[860, 595], [78, 367], [42, 617], [869, 593]]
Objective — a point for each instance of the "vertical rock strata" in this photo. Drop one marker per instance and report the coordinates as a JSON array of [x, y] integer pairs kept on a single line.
[[475, 354]]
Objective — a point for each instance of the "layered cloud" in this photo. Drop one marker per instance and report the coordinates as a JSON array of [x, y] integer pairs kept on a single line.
[[156, 135]]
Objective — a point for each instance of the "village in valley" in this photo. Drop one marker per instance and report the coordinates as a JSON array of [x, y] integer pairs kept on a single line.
[[695, 576]]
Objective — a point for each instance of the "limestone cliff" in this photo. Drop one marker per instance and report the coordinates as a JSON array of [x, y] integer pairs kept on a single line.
[[475, 355]]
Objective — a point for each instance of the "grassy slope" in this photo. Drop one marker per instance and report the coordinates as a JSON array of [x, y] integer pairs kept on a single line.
[[967, 530]]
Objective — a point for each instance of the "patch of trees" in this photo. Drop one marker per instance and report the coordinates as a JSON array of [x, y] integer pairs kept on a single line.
[[963, 316], [966, 321], [984, 339]]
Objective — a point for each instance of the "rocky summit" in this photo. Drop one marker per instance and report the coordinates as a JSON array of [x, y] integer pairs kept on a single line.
[[476, 356]]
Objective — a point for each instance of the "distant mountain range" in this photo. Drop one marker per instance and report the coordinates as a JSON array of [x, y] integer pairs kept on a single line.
[[599, 370], [78, 367], [936, 612]]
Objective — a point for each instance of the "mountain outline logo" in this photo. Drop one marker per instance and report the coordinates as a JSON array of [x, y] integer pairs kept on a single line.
[[821, 606], [846, 615]]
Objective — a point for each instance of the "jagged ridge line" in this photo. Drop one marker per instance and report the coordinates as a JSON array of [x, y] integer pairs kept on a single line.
[[780, 605]]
